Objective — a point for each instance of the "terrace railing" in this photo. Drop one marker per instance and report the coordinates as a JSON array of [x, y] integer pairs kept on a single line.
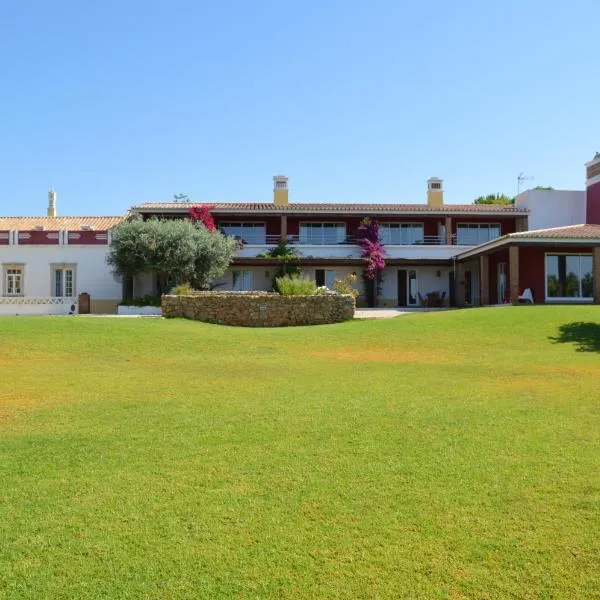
[[334, 240]]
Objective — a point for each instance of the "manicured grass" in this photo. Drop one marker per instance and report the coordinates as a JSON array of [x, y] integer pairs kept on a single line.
[[439, 455]]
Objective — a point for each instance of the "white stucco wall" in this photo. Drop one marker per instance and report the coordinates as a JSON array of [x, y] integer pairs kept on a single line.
[[427, 281], [92, 274], [553, 208], [262, 277]]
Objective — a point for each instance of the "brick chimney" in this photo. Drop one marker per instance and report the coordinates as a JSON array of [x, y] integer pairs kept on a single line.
[[280, 190], [435, 192], [51, 203], [592, 191]]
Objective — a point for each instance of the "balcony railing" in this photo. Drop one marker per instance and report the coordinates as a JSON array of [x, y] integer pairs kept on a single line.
[[428, 240], [333, 240]]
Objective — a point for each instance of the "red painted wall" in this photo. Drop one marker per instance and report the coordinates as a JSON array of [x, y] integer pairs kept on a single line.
[[532, 268], [593, 204], [38, 238], [3, 238], [273, 225], [93, 238]]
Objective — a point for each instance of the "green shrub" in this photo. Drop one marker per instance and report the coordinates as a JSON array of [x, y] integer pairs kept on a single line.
[[295, 285], [289, 262], [346, 285], [148, 300], [183, 289]]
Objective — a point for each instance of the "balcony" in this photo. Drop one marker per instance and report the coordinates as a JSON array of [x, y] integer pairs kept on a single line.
[[428, 248], [349, 240]]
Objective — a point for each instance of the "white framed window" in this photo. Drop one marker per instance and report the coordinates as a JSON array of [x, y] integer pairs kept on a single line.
[[242, 280], [63, 281], [322, 233], [472, 234], [569, 277], [249, 233], [401, 234], [13, 280]]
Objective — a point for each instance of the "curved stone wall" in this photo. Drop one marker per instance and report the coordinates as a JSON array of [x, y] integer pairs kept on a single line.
[[255, 309]]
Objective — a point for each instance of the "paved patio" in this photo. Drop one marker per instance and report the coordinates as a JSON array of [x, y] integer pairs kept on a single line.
[[388, 313]]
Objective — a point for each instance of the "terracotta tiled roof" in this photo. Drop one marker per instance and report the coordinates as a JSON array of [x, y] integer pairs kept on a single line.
[[569, 232], [58, 223], [568, 235], [329, 207]]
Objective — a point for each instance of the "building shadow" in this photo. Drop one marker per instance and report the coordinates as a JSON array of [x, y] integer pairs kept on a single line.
[[586, 336]]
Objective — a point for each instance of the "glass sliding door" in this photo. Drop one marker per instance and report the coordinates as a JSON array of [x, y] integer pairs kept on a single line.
[[502, 270], [242, 281], [407, 288], [401, 234], [412, 288], [322, 233], [569, 277], [324, 277]]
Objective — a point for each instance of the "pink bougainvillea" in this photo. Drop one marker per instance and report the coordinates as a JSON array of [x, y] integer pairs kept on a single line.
[[203, 215], [370, 247]]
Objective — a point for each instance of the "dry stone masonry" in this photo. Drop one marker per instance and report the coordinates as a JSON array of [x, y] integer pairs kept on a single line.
[[256, 309]]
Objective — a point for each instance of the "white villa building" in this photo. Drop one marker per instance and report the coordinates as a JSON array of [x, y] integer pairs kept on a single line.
[[47, 262]]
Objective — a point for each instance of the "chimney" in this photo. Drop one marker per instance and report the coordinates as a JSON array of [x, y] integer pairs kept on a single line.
[[592, 191], [280, 190], [51, 203], [435, 192]]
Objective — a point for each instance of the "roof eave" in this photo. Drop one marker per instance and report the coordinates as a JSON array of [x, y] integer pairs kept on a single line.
[[333, 210], [508, 240]]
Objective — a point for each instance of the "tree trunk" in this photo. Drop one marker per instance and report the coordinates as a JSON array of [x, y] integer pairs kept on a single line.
[[127, 289]]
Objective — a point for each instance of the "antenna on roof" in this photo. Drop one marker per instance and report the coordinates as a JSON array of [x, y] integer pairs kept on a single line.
[[521, 177]]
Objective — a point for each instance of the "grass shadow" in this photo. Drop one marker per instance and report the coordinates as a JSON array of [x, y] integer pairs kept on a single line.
[[585, 334]]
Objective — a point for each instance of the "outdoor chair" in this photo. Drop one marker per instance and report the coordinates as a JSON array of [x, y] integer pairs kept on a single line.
[[526, 296], [442, 298]]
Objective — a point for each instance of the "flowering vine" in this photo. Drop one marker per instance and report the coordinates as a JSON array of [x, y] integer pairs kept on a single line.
[[371, 248], [203, 215]]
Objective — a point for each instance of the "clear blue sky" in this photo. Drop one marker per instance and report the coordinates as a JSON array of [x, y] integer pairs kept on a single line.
[[119, 102]]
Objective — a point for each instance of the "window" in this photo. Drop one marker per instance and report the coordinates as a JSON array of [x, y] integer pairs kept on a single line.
[[249, 233], [324, 277], [569, 277], [472, 234], [322, 233], [13, 280], [63, 282], [242, 281], [401, 233]]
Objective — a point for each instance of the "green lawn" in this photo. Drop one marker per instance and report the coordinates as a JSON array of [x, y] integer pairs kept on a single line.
[[439, 455]]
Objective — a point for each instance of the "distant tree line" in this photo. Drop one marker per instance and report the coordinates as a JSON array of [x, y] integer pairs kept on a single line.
[[503, 198]]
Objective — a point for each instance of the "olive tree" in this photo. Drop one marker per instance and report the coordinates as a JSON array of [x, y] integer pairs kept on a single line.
[[177, 249]]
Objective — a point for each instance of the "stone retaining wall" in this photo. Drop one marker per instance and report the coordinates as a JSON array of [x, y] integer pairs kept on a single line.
[[259, 309]]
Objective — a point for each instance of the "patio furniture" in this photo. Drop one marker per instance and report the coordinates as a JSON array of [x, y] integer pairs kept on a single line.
[[526, 296], [435, 299]]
